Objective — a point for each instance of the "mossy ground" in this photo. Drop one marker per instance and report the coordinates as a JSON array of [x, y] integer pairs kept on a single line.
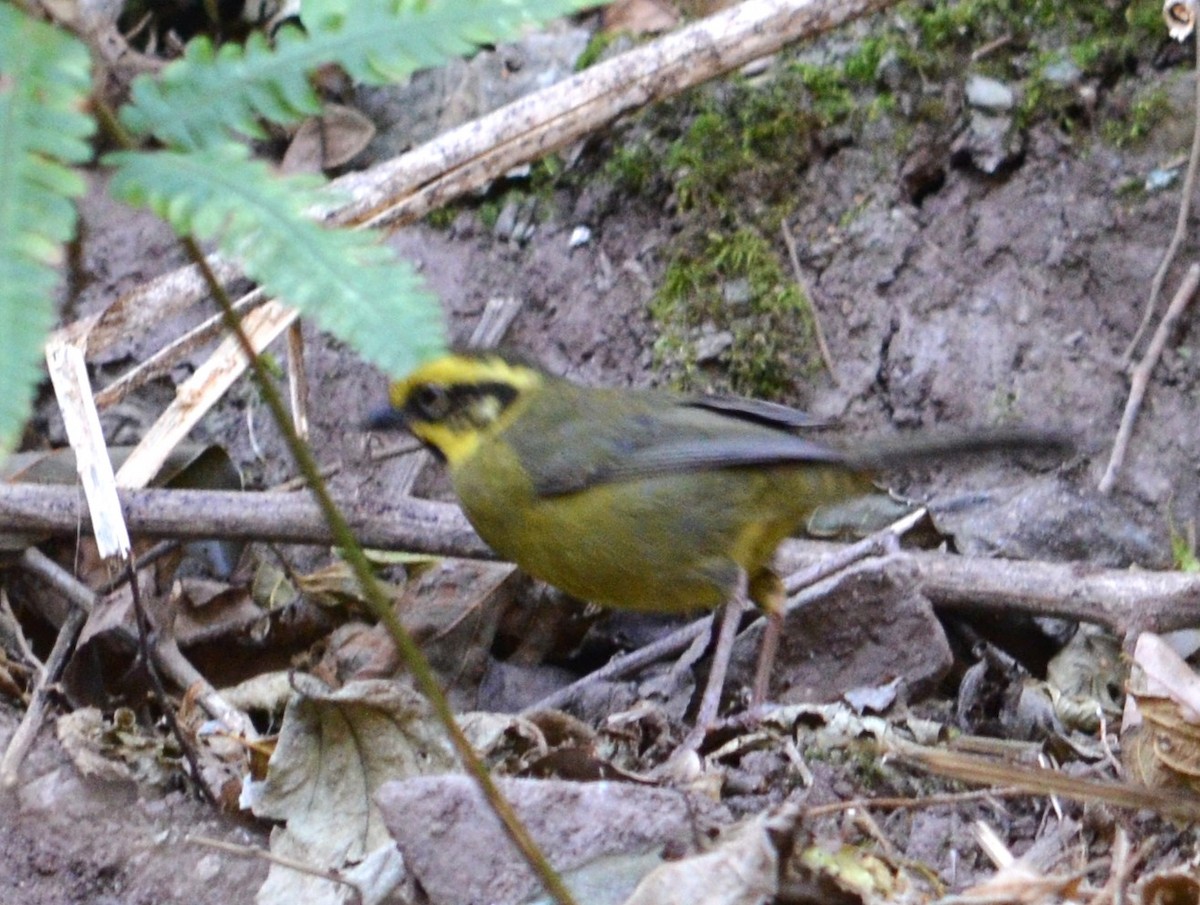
[[726, 161]]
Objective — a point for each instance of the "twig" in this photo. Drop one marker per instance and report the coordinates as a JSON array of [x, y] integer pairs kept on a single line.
[[626, 665], [1141, 375], [249, 851], [297, 380], [12, 633], [878, 544], [169, 355], [199, 392], [147, 634], [790, 241], [969, 768], [82, 601], [912, 804], [1181, 226]]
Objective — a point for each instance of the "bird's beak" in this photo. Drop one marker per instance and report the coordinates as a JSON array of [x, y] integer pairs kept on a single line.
[[385, 418]]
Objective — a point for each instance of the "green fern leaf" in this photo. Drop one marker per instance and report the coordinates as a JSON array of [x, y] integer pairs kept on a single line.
[[45, 76], [200, 99], [346, 280]]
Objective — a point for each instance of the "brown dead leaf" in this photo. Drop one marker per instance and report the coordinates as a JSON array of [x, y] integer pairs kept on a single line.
[[1017, 884], [1085, 679], [335, 750], [1171, 887], [1160, 737], [208, 611], [330, 140]]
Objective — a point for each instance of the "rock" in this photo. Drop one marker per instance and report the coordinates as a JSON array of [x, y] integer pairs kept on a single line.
[[989, 94], [454, 846], [1049, 520], [990, 144], [711, 344], [890, 72], [873, 627], [1062, 73], [737, 293], [436, 100]]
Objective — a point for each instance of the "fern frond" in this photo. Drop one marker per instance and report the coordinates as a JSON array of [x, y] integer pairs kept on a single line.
[[200, 99], [346, 280], [45, 76]]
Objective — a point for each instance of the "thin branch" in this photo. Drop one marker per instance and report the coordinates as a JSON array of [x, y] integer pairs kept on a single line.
[[1141, 375], [790, 241], [250, 851], [148, 634], [1181, 225], [82, 602], [970, 768]]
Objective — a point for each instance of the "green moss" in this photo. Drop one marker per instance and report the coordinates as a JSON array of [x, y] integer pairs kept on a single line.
[[1150, 106], [489, 213], [544, 175], [947, 24], [863, 62], [633, 167], [743, 145], [599, 42], [731, 155], [1183, 550], [832, 98], [1131, 189], [735, 285], [441, 218]]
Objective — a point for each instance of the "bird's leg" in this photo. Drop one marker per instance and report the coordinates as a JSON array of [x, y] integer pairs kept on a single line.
[[710, 701], [766, 659]]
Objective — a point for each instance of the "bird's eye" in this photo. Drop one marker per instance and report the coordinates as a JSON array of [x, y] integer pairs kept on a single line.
[[432, 401]]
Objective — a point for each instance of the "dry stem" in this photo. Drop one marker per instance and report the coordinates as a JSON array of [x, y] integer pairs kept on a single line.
[[1141, 375]]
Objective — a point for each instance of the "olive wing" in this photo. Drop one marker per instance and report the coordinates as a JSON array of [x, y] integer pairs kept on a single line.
[[599, 438]]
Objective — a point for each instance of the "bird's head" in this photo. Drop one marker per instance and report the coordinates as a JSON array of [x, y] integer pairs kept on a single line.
[[453, 402]]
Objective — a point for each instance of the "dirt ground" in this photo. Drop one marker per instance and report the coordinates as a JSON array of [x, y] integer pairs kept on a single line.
[[998, 299]]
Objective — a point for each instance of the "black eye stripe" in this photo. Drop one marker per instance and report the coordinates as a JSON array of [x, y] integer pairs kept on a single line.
[[431, 402], [442, 402]]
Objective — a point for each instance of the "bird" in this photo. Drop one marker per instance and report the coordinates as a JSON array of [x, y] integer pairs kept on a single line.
[[643, 499]]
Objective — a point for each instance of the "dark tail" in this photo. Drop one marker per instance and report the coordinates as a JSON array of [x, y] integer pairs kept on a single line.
[[890, 452]]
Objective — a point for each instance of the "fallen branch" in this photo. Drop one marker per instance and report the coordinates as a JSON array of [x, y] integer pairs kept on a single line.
[[468, 157], [1124, 601]]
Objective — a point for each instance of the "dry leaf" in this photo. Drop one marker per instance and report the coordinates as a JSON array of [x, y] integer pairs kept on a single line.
[[334, 752], [330, 140], [742, 870], [116, 748], [1174, 887]]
